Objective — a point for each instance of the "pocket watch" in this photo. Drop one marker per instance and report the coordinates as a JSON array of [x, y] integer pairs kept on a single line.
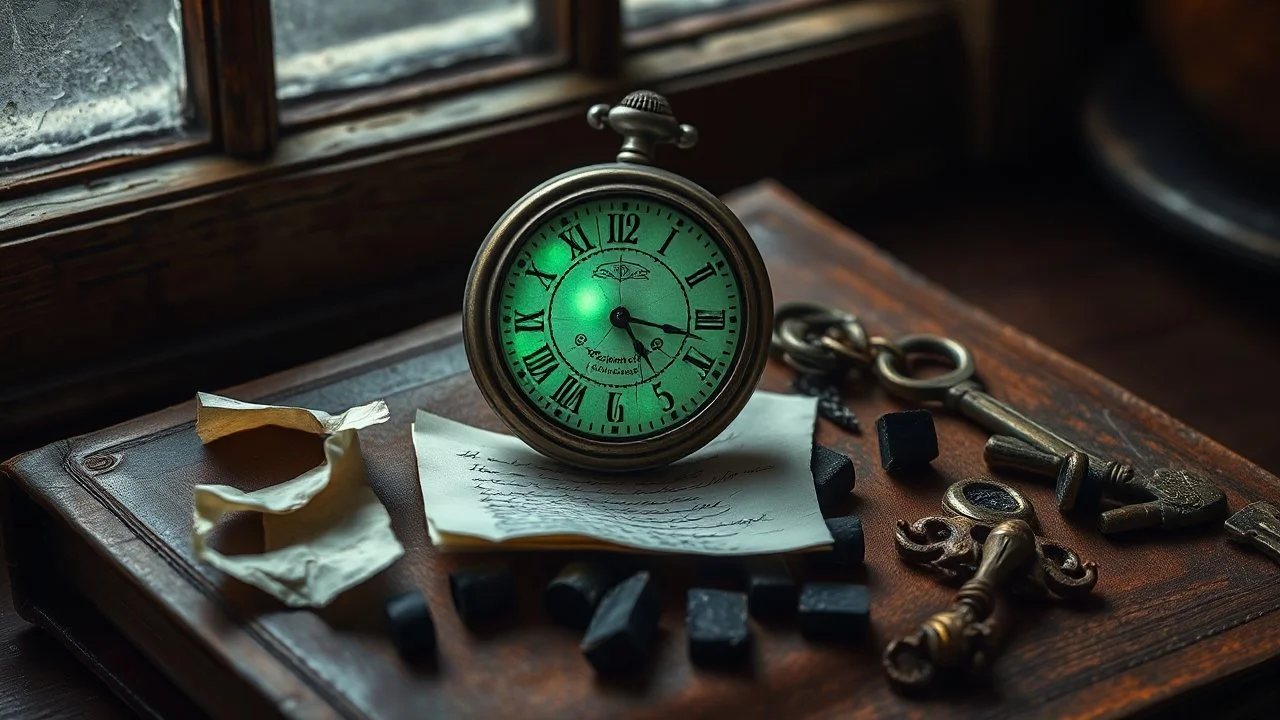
[[618, 316]]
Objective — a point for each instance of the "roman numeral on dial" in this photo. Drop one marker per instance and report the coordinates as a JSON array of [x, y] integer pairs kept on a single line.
[[545, 278], [623, 227], [708, 319], [666, 243], [570, 393], [534, 322], [578, 245], [541, 363], [700, 274], [615, 409], [700, 361]]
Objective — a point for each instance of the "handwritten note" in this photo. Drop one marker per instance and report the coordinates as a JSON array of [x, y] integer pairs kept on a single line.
[[749, 491]]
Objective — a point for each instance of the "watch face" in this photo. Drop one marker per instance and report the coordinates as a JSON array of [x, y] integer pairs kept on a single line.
[[619, 317]]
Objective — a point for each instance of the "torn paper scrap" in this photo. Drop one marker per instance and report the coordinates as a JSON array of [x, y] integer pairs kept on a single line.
[[218, 416], [323, 531], [749, 491]]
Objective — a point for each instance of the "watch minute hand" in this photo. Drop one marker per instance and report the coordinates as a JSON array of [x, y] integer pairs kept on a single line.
[[666, 328]]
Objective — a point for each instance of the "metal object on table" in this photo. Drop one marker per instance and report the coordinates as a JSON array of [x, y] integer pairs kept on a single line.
[[963, 639], [813, 338], [1257, 525], [988, 501], [1166, 499]]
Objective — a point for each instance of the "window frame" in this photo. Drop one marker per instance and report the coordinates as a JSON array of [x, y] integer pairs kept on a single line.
[[127, 291]]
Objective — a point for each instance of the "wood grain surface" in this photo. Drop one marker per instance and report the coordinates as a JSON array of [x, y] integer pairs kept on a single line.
[[1175, 613]]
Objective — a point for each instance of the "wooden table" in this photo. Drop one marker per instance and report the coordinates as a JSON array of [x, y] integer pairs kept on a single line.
[[37, 675]]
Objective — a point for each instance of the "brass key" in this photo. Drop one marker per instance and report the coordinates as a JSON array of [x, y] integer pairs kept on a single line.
[[813, 338]]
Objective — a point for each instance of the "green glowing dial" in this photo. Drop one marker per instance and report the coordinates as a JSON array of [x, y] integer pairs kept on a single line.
[[620, 317]]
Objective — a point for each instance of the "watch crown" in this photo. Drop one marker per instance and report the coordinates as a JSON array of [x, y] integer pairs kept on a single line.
[[647, 100], [643, 119]]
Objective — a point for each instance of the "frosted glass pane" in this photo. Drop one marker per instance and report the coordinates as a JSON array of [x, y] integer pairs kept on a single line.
[[78, 72], [341, 44], [640, 14]]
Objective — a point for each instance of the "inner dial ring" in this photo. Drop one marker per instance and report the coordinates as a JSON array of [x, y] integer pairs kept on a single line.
[[619, 316], [587, 325]]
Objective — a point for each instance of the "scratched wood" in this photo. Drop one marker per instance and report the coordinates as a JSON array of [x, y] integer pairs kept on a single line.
[[1174, 614]]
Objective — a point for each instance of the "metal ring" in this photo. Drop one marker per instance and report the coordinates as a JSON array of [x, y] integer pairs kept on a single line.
[[842, 343], [926, 389], [989, 502]]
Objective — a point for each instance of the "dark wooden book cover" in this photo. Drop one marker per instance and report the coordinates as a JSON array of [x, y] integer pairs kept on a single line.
[[97, 539]]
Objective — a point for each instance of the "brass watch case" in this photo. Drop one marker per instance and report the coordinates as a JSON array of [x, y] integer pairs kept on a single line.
[[481, 321]]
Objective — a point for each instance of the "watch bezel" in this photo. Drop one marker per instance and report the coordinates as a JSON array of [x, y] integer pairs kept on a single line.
[[481, 319]]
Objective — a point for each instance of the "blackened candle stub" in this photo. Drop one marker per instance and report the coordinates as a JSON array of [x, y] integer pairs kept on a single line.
[[771, 591], [834, 611], [848, 548], [716, 624], [482, 592], [571, 598], [908, 440], [409, 622], [833, 476], [623, 627]]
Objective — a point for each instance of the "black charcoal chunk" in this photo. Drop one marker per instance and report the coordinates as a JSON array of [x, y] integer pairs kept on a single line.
[[716, 623], [848, 548], [834, 611], [482, 592], [832, 476], [908, 440], [412, 630], [771, 591], [571, 598], [623, 627]]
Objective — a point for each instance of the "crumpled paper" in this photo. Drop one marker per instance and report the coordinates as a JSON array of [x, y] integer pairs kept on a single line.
[[218, 416], [324, 531]]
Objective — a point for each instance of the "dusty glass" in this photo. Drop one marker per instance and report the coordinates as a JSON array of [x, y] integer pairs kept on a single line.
[[74, 73], [344, 44], [643, 14]]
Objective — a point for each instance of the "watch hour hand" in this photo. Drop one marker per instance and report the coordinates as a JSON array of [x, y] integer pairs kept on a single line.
[[640, 349]]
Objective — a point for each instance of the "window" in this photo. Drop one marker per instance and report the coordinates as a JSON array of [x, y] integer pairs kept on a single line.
[[642, 14], [345, 44], [195, 192], [80, 73], [654, 21]]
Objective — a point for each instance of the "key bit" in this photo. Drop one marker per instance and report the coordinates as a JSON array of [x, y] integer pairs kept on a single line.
[[1257, 525], [1166, 499]]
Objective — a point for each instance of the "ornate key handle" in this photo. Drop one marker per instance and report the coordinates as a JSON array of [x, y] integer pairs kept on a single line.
[[955, 547], [963, 638]]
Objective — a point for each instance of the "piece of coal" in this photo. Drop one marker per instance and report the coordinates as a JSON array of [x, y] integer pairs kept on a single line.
[[622, 629], [833, 477], [716, 623], [834, 611], [848, 548], [571, 598], [908, 440], [412, 630], [482, 592], [771, 591]]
